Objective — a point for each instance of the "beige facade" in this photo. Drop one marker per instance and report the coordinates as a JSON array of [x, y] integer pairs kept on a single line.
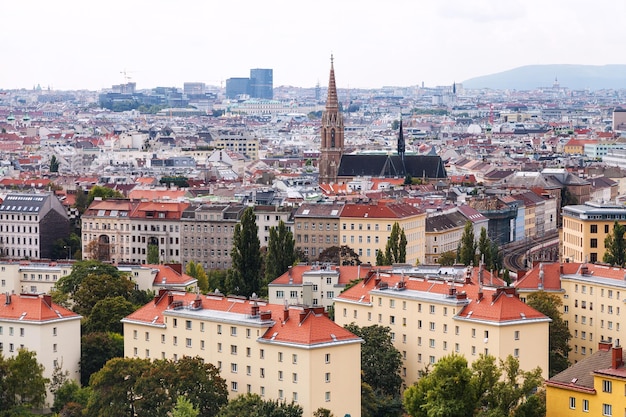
[[316, 228], [436, 312], [367, 227], [33, 322], [280, 353], [585, 227]]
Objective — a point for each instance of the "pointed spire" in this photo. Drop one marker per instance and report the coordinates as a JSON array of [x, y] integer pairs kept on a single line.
[[332, 102], [401, 143]]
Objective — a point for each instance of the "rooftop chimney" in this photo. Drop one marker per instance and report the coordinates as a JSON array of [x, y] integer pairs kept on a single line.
[[285, 313], [303, 314], [616, 355], [47, 299]]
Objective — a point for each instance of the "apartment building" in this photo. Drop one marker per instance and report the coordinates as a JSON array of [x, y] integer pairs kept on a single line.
[[316, 228], [268, 216], [367, 227], [277, 351], [30, 224], [594, 386], [120, 231], [34, 322], [443, 234], [314, 285], [434, 311], [208, 234], [585, 226], [157, 277]]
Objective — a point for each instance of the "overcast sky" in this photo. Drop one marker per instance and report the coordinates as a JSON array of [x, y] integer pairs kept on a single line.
[[75, 44]]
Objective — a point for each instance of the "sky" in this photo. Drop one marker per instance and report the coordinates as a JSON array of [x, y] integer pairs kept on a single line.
[[78, 44]]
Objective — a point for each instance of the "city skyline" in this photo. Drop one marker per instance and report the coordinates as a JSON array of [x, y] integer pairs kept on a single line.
[[69, 45]]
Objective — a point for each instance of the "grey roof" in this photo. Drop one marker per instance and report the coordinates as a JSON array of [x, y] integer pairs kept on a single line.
[[391, 166], [445, 221], [580, 373], [23, 203]]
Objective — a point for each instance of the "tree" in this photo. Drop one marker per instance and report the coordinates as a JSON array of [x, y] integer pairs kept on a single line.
[[339, 255], [246, 256], [380, 360], [54, 164], [395, 251], [200, 383], [102, 192], [447, 258], [107, 314], [484, 247], [280, 252], [95, 288], [81, 269], [82, 201], [25, 385], [615, 246], [70, 393], [322, 412], [467, 246], [196, 270], [252, 405], [95, 350], [550, 305], [153, 257], [184, 408]]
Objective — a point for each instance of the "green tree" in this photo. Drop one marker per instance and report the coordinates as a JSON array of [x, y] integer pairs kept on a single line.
[[395, 251], [103, 193], [153, 257], [54, 164], [380, 360], [252, 405], [467, 246], [380, 258], [550, 305], [615, 246], [82, 201], [446, 391], [95, 288], [95, 350], [447, 258], [280, 252], [245, 278], [323, 412], [339, 255], [184, 408], [25, 385], [484, 247], [106, 315], [200, 383], [196, 270], [70, 393], [80, 270]]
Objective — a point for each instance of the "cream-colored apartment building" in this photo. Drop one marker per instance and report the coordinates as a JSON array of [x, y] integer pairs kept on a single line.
[[34, 322], [585, 226], [273, 350], [436, 311], [367, 227]]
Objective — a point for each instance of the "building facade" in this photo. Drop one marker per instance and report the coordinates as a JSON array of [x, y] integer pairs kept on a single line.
[[316, 228], [261, 83], [273, 350]]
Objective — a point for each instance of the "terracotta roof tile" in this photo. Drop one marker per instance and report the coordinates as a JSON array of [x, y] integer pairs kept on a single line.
[[32, 308]]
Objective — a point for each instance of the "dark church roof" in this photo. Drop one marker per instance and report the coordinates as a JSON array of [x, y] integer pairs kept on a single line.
[[391, 166]]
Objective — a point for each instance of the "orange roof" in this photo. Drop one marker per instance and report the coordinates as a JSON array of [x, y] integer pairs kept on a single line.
[[498, 303], [168, 276], [141, 194], [380, 210], [146, 180], [346, 274], [293, 325], [32, 308], [551, 276]]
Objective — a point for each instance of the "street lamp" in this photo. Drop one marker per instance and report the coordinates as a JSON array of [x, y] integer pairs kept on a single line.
[[69, 248]]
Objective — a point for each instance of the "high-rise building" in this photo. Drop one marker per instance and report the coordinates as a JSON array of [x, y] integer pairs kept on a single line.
[[236, 87], [261, 83], [332, 134]]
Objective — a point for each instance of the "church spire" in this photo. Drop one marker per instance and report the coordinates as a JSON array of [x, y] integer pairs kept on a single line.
[[401, 143], [332, 102]]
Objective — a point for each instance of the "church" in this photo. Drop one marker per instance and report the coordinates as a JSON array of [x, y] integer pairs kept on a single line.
[[335, 167]]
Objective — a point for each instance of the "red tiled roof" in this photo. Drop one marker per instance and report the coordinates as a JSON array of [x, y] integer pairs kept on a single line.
[[551, 276], [380, 210], [167, 276], [346, 274], [314, 327], [32, 308]]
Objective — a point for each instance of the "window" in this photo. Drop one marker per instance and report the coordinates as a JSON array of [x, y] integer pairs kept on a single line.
[[280, 356], [516, 334], [219, 329], [431, 343], [586, 406], [327, 358], [280, 375], [572, 402], [188, 324], [431, 326], [392, 319], [432, 309], [233, 331], [327, 396], [607, 410], [188, 342], [233, 386], [607, 386], [262, 372], [327, 377], [294, 377], [262, 354], [594, 228], [294, 359], [219, 347], [233, 368], [233, 349]]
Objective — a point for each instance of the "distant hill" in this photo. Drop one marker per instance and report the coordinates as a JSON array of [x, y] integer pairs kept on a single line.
[[574, 77]]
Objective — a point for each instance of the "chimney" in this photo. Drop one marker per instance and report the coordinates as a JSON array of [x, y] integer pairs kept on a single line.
[[7, 299], [290, 276], [255, 309], [285, 313], [604, 346], [461, 295], [176, 267], [47, 299], [170, 298], [616, 355], [266, 315], [480, 293], [303, 314]]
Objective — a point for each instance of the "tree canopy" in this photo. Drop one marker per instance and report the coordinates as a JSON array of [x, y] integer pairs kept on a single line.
[[280, 252], [196, 270], [95, 350], [252, 405], [339, 255], [467, 246], [395, 250], [615, 246], [550, 305], [245, 277], [22, 385], [485, 389]]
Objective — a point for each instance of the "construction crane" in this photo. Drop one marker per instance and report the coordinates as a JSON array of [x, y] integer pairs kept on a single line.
[[127, 77]]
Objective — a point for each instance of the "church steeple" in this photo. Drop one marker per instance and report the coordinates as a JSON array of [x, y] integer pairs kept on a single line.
[[332, 133], [401, 143]]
